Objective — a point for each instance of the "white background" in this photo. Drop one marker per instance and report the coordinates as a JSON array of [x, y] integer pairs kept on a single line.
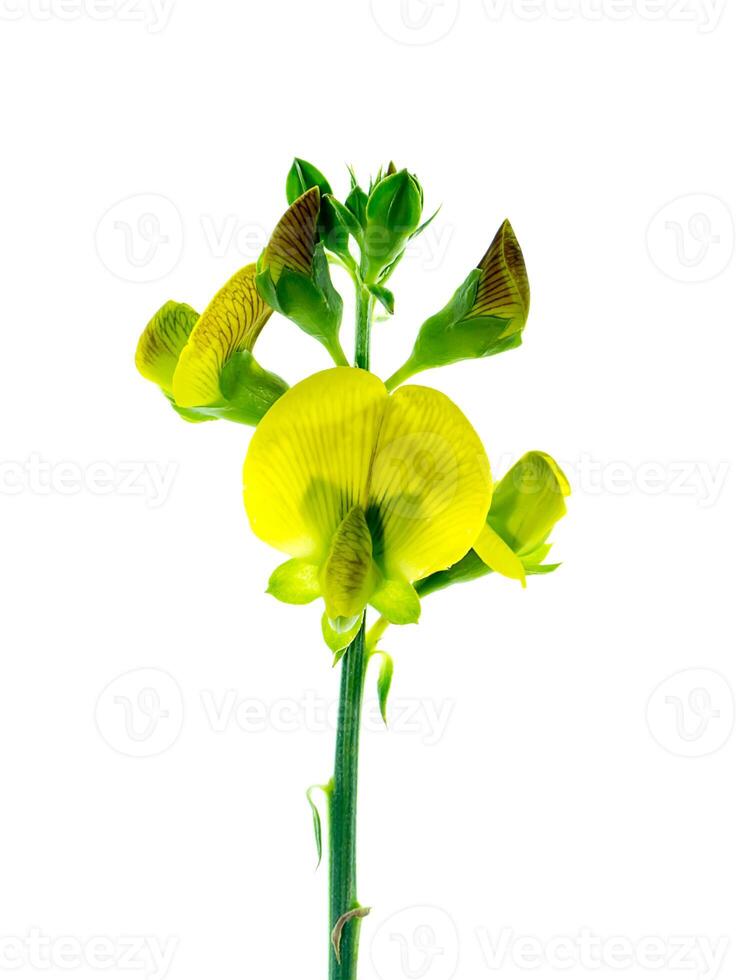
[[570, 783]]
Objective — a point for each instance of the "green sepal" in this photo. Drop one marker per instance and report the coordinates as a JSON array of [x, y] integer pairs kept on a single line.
[[384, 296], [249, 390], [188, 414], [542, 569], [301, 177], [295, 582], [338, 642], [356, 203], [440, 339], [397, 602], [312, 303], [425, 224], [469, 568], [337, 224]]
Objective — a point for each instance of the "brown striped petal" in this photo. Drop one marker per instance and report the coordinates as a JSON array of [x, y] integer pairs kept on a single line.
[[292, 242], [503, 288], [231, 322]]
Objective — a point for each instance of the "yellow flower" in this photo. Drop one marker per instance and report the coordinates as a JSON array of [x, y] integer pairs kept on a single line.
[[204, 364], [527, 503], [366, 491]]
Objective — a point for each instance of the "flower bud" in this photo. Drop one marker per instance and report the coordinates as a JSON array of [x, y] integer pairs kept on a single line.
[[393, 213], [485, 316], [293, 276]]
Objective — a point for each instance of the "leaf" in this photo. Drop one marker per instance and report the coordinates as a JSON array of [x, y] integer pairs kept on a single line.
[[385, 676], [316, 821], [384, 296]]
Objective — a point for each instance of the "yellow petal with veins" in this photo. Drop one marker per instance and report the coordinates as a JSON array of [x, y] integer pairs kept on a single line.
[[231, 323], [430, 485], [309, 459], [292, 243], [162, 342]]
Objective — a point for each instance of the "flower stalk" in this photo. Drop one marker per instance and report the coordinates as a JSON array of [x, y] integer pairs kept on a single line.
[[343, 797]]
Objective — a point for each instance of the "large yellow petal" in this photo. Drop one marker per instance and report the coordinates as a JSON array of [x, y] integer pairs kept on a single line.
[[430, 485], [309, 460], [231, 323], [162, 342]]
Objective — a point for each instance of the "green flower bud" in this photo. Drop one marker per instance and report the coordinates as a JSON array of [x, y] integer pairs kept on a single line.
[[393, 214], [485, 316], [293, 276]]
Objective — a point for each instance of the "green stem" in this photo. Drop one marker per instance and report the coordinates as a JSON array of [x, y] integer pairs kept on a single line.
[[343, 812], [343, 797], [363, 313]]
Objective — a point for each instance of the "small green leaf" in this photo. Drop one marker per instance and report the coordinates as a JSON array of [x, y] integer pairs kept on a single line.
[[316, 821], [384, 296], [302, 177], [385, 676]]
